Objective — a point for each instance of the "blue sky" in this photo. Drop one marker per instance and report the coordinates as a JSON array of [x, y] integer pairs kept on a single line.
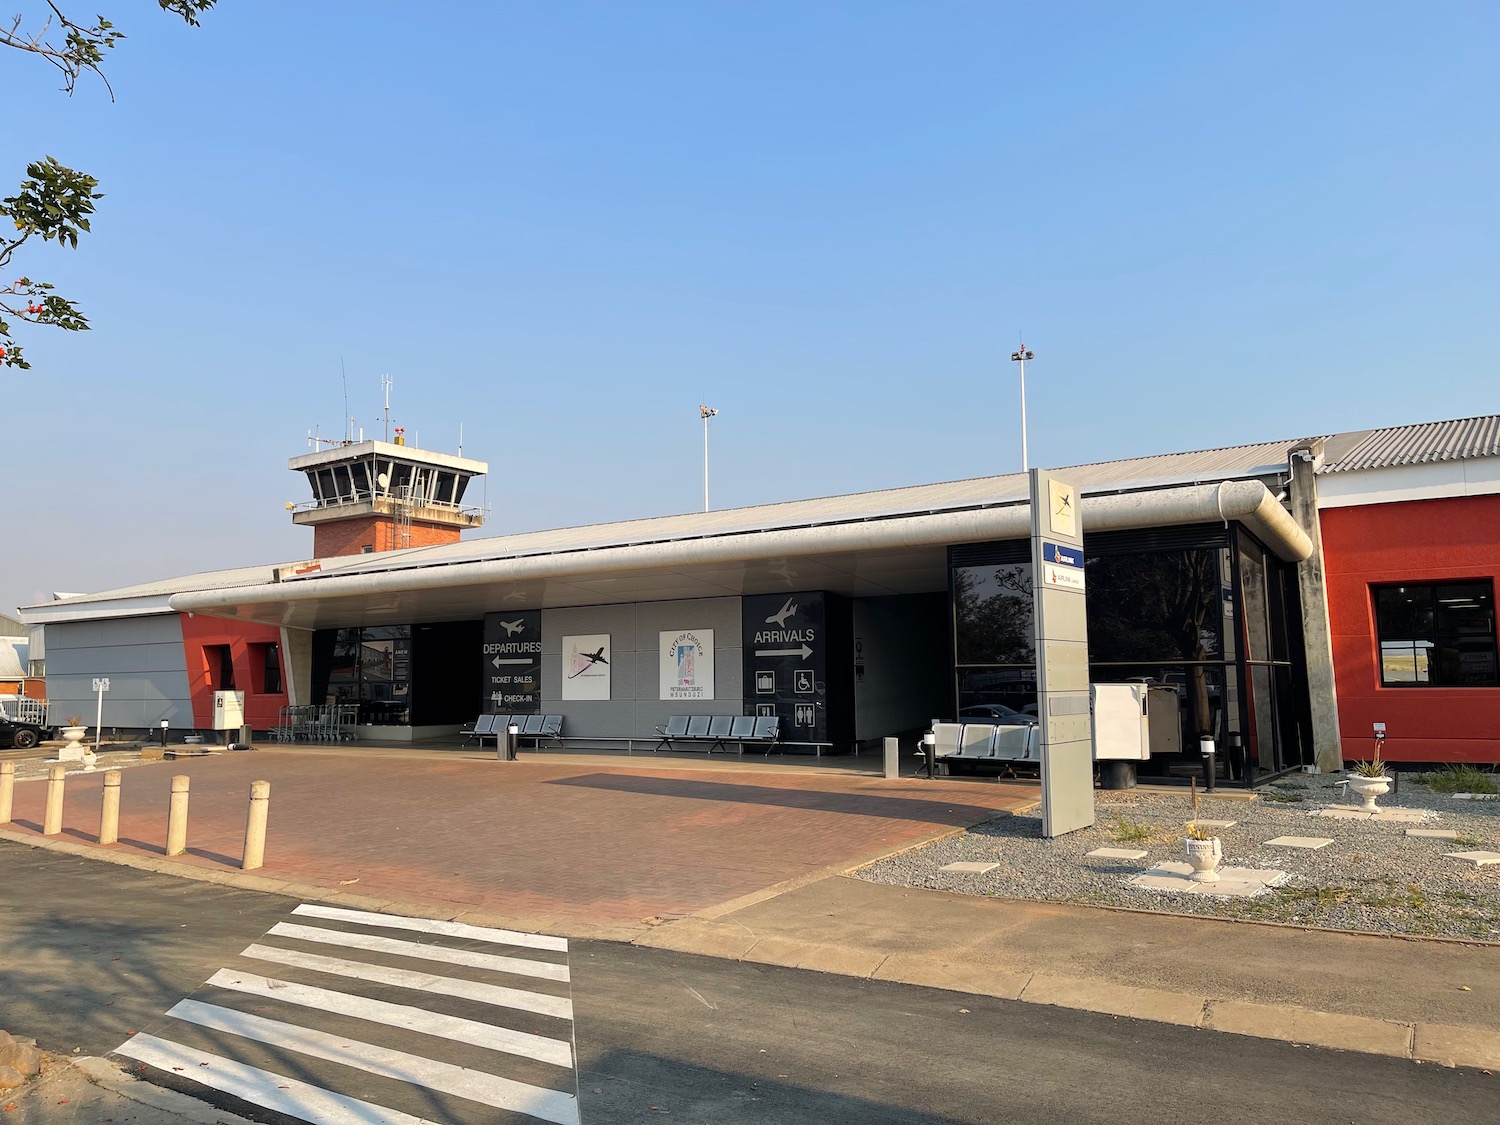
[[564, 225]]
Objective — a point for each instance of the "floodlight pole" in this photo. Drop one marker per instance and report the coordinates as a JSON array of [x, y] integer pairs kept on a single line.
[[706, 412], [1021, 355]]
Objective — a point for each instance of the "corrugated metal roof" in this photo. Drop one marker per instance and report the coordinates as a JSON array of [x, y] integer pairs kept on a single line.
[[1422, 443], [12, 658]]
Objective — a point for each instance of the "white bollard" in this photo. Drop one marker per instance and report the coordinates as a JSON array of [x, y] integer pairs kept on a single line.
[[255, 825], [892, 757], [109, 809], [52, 821], [177, 812], [7, 790]]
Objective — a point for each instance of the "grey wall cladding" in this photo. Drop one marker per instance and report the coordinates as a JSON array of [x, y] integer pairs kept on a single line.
[[143, 658], [634, 711]]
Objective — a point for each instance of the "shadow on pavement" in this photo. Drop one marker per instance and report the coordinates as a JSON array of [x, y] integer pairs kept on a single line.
[[865, 803]]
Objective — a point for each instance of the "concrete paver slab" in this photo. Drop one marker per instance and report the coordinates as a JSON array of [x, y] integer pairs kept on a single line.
[[1401, 816], [1310, 842], [1433, 833], [1233, 882], [968, 867], [1219, 824], [1117, 853], [1477, 858]]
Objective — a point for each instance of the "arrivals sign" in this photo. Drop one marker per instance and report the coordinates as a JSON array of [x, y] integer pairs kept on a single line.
[[513, 662], [585, 666], [687, 664], [786, 661]]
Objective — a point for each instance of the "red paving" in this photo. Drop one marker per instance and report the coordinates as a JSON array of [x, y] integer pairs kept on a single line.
[[574, 844]]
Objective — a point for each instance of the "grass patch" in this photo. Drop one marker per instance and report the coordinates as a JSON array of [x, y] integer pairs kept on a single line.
[[1289, 785], [1131, 831], [1279, 798], [1467, 841], [1461, 778]]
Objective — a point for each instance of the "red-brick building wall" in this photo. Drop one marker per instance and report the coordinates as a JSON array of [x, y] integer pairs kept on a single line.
[[352, 536], [1416, 541]]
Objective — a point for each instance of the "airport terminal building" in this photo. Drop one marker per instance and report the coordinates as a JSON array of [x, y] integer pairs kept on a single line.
[[1290, 593]]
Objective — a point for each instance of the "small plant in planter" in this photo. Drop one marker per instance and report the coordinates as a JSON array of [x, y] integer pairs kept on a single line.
[[73, 730], [1369, 780], [1200, 846]]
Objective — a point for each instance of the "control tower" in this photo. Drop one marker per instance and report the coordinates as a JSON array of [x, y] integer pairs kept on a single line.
[[381, 496]]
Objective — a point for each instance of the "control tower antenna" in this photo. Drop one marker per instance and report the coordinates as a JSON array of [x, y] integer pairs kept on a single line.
[[385, 381], [344, 378]]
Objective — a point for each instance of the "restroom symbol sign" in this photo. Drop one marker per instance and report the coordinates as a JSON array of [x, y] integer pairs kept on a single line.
[[802, 681], [804, 715]]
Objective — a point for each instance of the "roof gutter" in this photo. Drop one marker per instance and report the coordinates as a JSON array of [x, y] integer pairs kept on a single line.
[[1248, 502]]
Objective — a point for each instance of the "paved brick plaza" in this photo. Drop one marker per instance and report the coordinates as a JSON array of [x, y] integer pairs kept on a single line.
[[570, 842]]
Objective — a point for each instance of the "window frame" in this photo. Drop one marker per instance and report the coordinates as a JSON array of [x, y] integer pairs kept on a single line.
[[1435, 640]]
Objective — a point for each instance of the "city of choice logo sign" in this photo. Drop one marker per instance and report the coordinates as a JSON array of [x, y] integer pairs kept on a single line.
[[687, 664]]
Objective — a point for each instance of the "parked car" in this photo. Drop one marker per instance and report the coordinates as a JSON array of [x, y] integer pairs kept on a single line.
[[16, 735], [994, 713]]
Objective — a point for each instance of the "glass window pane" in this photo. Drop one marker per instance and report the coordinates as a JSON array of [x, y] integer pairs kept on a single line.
[[992, 614], [1159, 606], [1010, 689], [1466, 634]]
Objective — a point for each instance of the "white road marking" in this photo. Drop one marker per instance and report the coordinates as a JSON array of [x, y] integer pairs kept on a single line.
[[538, 1002], [263, 1087], [542, 969], [431, 926], [489, 1089], [460, 1030]]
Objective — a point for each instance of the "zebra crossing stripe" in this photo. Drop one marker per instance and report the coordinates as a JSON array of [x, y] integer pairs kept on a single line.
[[545, 970], [263, 1087], [432, 926], [537, 1002], [488, 1089], [459, 1030]]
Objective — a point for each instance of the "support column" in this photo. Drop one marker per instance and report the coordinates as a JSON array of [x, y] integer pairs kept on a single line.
[[296, 661], [1317, 635]]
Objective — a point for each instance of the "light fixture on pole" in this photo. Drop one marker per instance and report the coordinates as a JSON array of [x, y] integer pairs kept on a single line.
[[706, 412], [1021, 355]]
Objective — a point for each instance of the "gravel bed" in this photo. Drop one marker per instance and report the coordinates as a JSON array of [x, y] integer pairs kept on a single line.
[[35, 769], [1373, 877]]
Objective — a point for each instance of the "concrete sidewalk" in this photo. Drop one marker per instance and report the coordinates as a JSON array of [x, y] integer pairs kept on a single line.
[[1436, 1001], [749, 865]]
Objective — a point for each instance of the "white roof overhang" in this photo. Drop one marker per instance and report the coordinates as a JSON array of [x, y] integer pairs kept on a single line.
[[866, 557]]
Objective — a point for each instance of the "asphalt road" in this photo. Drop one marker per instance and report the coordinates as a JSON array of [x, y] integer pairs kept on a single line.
[[91, 953]]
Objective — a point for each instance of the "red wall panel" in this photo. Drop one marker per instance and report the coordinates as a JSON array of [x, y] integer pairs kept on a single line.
[[201, 634], [1414, 541]]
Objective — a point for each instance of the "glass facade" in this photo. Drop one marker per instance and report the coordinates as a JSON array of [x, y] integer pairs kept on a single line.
[[370, 667], [1205, 612]]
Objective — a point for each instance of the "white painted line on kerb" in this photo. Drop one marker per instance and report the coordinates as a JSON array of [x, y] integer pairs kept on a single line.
[[522, 1001], [262, 1087], [459, 1030], [542, 969], [432, 926], [488, 1089]]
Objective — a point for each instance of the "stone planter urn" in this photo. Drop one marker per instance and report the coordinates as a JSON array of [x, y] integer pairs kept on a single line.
[[73, 751], [1368, 788], [1203, 856]]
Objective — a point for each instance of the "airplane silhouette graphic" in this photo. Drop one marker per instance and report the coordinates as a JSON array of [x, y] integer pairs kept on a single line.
[[513, 627], [595, 657], [779, 617]]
